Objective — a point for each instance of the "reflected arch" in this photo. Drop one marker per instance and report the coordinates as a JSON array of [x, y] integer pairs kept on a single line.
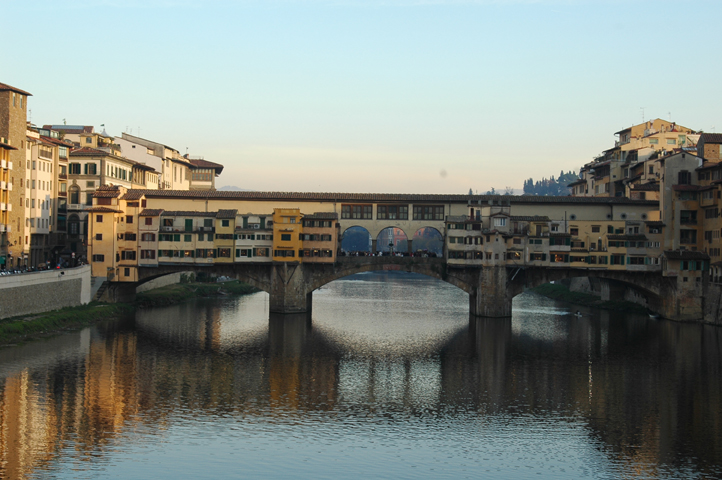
[[392, 239], [428, 240], [356, 239]]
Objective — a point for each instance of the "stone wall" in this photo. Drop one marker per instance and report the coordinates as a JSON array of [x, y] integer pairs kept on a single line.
[[38, 292], [713, 304]]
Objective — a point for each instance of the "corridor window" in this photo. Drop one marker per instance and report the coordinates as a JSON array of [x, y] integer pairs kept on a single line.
[[358, 212], [392, 212], [435, 212]]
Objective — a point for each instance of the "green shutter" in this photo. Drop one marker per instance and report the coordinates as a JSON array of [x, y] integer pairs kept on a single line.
[[263, 222], [189, 225], [245, 222]]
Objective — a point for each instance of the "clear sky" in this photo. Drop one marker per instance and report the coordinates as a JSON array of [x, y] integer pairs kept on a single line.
[[398, 96]]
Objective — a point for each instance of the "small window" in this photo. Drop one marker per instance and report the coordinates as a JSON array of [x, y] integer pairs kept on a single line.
[[98, 236], [148, 221], [225, 223], [129, 218], [98, 219], [98, 258]]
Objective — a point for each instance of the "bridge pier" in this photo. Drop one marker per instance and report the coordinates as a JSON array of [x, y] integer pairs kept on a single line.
[[491, 297], [119, 292], [289, 289]]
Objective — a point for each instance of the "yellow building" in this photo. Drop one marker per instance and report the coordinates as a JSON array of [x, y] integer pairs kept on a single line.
[[287, 242], [225, 235], [320, 237]]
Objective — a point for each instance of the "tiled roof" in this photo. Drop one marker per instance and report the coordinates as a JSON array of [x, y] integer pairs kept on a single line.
[[169, 213], [321, 216], [711, 138], [578, 182], [5, 87], [645, 187], [226, 213], [530, 218], [376, 197], [707, 165], [685, 255], [151, 212], [88, 151], [6, 146], [686, 188], [57, 141], [107, 191], [206, 164], [104, 209]]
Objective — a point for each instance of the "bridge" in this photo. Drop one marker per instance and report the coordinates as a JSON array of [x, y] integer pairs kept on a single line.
[[491, 288]]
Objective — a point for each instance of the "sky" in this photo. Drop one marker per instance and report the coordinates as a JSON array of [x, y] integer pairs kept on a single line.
[[380, 96]]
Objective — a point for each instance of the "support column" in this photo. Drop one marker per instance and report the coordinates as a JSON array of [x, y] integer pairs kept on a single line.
[[491, 298], [119, 292], [410, 245], [373, 246], [288, 289]]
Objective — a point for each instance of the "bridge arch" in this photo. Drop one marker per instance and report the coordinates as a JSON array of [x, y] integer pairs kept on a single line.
[[653, 288], [384, 264], [356, 239], [256, 277], [395, 236], [428, 239]]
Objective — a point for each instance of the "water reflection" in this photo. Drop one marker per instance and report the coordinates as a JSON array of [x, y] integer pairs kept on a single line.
[[602, 395]]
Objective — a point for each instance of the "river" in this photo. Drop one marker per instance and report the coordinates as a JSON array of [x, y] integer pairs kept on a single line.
[[388, 379]]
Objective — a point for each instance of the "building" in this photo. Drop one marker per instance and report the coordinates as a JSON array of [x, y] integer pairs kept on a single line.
[[13, 121]]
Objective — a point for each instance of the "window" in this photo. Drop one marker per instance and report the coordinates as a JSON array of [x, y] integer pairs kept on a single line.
[[129, 218], [688, 236], [684, 178], [435, 212], [595, 228], [574, 231], [147, 237], [286, 237], [392, 212], [688, 217], [148, 221], [187, 238], [147, 254], [88, 140], [98, 258], [127, 255], [671, 141], [98, 219], [500, 221], [225, 223], [90, 169], [98, 236], [362, 212], [653, 141]]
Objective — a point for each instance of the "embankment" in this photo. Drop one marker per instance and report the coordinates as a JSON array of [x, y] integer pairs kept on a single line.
[[25, 327]]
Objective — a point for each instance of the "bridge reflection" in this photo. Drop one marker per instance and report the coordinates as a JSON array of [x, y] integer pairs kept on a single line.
[[124, 376]]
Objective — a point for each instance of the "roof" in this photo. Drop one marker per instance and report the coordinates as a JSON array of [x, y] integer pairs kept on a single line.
[[685, 255], [645, 187], [6, 146], [88, 151], [70, 128], [106, 194], [686, 188], [104, 209], [206, 164], [227, 213], [135, 194], [560, 234], [321, 216], [529, 218], [710, 138], [4, 87], [183, 213], [707, 165], [578, 182], [57, 141], [151, 212], [654, 223]]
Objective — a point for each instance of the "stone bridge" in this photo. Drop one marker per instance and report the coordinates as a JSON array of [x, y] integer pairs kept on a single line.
[[490, 289]]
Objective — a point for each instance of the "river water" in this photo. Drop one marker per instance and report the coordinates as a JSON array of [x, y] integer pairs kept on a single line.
[[389, 379]]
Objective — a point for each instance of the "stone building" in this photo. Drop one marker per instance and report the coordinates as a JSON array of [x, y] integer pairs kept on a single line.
[[13, 121]]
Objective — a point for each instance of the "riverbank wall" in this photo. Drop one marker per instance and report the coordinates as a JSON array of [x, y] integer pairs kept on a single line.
[[38, 292]]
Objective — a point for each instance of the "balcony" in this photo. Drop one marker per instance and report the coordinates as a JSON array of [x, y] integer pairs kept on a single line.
[[63, 176], [63, 194], [76, 206]]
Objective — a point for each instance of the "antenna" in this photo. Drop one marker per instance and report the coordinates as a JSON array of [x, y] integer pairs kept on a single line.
[[642, 109]]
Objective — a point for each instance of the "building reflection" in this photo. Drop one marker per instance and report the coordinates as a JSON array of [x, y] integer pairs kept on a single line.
[[642, 388]]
